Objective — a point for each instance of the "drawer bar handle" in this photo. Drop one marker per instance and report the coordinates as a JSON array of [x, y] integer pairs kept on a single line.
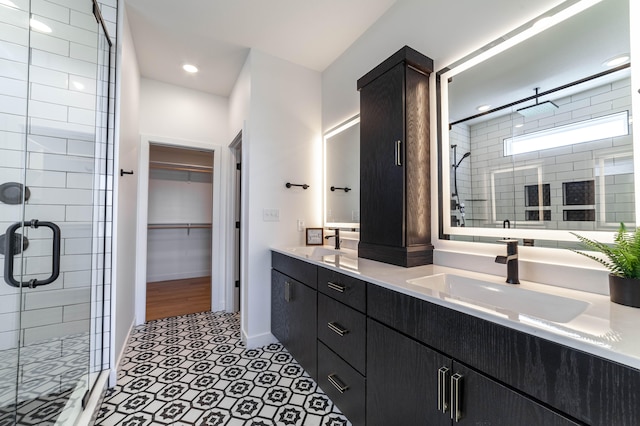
[[287, 291], [443, 391], [456, 403], [337, 287], [398, 153], [337, 328], [337, 383]]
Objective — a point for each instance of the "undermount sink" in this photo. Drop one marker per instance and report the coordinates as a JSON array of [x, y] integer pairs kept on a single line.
[[315, 252], [505, 299]]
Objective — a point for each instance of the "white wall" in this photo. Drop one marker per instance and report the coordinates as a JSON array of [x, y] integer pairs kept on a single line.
[[126, 188], [281, 143], [176, 112]]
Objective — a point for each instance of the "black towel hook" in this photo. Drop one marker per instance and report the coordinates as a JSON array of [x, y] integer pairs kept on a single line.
[[303, 186], [345, 189]]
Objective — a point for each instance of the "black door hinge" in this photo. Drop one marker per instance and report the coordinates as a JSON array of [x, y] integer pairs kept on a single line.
[[237, 283], [238, 166], [238, 225]]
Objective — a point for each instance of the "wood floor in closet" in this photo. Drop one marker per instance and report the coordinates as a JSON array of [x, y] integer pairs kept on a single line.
[[178, 297]]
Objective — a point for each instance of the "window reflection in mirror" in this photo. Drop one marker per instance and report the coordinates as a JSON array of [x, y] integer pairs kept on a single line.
[[342, 175], [554, 151]]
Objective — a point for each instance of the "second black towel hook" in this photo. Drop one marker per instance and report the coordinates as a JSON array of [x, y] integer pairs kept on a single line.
[[303, 185], [345, 189]]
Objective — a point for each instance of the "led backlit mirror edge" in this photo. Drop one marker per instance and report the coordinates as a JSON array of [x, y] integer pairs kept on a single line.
[[513, 38], [348, 123]]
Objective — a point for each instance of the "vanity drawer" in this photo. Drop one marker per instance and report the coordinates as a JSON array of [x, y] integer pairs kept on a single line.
[[343, 384], [299, 270], [344, 330], [344, 288]]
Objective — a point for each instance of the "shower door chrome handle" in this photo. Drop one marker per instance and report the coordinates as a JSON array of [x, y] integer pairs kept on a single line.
[[10, 250]]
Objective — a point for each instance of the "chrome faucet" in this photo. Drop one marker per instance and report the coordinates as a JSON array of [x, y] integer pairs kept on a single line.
[[336, 235], [511, 260]]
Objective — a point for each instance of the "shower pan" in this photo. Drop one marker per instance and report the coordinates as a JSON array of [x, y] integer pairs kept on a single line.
[[56, 62]]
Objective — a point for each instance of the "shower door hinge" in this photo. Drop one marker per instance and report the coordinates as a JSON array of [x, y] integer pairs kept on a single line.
[[85, 399], [238, 225], [237, 283], [238, 166]]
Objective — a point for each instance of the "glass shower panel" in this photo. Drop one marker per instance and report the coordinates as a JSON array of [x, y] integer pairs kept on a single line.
[[56, 258], [14, 54]]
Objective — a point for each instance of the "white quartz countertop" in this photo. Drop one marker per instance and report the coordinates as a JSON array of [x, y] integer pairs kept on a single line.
[[581, 320]]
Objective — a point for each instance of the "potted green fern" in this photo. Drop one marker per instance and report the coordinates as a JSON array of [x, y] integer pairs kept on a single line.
[[622, 259]]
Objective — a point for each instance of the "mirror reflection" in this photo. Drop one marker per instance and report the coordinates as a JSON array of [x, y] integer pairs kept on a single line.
[[553, 148], [342, 175]]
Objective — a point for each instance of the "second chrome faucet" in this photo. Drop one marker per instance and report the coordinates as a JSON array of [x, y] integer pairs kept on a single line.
[[511, 260]]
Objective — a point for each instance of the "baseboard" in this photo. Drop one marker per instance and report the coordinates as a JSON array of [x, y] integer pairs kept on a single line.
[[259, 340], [177, 276]]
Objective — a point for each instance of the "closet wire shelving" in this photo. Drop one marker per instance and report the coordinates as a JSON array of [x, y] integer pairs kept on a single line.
[[197, 168]]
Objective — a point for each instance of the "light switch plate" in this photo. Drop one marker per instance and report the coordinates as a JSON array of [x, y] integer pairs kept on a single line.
[[270, 215]]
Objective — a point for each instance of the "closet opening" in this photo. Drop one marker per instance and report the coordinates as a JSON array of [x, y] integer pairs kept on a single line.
[[179, 237]]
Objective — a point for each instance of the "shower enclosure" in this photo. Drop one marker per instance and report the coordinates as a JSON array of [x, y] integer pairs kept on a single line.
[[56, 121]]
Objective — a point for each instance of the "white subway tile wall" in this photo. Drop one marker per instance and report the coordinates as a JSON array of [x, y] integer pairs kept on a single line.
[[500, 180], [51, 123]]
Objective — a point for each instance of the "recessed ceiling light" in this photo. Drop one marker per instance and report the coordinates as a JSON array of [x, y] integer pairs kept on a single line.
[[483, 108], [616, 60], [190, 68], [39, 26]]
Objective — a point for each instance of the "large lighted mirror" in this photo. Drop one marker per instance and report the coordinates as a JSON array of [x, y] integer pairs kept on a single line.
[[342, 175], [537, 130]]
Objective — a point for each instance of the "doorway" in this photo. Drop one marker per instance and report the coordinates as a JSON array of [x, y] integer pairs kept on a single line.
[[179, 231], [236, 155]]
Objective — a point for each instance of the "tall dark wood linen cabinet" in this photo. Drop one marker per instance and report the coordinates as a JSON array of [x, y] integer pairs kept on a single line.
[[395, 193]]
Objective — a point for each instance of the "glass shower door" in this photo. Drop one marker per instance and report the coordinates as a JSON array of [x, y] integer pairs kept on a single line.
[[55, 173]]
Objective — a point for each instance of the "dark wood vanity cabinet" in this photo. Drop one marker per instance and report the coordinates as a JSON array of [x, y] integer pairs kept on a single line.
[[387, 358], [294, 309], [395, 200], [510, 377], [412, 384]]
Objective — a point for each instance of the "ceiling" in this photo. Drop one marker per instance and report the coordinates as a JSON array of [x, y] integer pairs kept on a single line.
[[216, 35]]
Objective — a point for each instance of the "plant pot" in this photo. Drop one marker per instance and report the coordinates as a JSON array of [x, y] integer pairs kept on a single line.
[[625, 291]]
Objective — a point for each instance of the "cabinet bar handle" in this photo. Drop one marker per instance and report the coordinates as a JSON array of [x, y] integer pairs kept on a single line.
[[287, 291], [337, 287], [456, 398], [337, 383], [398, 153], [443, 391], [337, 328]]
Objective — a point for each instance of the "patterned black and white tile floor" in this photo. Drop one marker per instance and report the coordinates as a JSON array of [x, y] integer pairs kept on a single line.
[[194, 370]]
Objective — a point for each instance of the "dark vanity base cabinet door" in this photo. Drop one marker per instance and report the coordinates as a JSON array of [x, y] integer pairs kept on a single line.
[[293, 319], [402, 380], [351, 400], [487, 402]]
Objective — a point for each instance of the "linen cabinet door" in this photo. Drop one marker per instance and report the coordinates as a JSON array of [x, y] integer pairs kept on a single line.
[[403, 386], [382, 159]]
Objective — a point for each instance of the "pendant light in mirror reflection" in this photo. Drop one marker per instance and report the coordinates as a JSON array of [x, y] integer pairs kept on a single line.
[[341, 189]]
